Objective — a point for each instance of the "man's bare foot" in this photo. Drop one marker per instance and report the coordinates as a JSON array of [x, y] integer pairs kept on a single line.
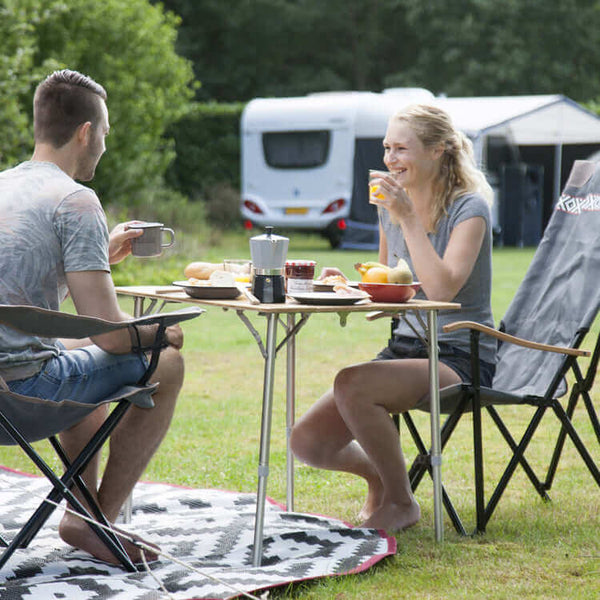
[[77, 533], [394, 517]]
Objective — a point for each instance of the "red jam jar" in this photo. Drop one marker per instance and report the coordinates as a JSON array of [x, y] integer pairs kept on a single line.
[[299, 275]]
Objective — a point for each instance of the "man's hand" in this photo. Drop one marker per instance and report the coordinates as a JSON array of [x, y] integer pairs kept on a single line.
[[119, 241]]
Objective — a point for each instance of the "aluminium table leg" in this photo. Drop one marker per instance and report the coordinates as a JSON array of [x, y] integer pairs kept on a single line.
[[127, 508], [265, 438], [436, 441], [290, 409]]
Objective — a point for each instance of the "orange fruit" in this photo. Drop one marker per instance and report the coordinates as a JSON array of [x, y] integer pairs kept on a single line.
[[375, 275]]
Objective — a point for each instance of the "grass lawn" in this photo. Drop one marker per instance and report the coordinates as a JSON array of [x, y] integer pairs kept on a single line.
[[532, 549]]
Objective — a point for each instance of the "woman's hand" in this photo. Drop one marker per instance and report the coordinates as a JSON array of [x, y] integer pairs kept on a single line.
[[391, 196], [119, 241]]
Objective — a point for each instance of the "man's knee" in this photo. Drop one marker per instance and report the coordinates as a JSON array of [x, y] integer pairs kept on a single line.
[[171, 366]]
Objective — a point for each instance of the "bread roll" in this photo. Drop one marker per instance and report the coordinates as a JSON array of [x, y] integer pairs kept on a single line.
[[201, 270]]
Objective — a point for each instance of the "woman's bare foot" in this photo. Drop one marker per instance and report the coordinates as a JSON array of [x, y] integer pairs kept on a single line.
[[394, 517], [77, 533], [374, 498]]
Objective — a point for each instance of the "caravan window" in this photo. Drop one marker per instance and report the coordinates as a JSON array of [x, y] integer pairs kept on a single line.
[[296, 149]]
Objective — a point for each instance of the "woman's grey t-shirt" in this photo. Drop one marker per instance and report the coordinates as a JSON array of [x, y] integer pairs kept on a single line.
[[475, 295], [49, 225]]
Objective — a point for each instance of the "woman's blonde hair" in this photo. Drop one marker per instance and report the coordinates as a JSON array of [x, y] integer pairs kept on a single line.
[[458, 173]]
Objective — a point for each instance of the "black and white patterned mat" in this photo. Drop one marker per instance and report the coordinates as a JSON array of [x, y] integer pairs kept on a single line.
[[209, 530]]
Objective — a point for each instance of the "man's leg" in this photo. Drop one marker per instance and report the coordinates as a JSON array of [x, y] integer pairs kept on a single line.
[[132, 445]]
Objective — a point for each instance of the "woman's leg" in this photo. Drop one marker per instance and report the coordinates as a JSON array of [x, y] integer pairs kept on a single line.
[[321, 438], [358, 410], [365, 395]]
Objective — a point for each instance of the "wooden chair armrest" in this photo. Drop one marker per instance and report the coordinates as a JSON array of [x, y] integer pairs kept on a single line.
[[511, 339], [380, 314]]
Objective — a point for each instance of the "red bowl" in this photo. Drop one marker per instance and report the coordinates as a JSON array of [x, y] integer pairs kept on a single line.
[[390, 292]]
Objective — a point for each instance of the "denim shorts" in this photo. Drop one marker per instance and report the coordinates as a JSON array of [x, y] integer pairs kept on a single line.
[[87, 374], [458, 360]]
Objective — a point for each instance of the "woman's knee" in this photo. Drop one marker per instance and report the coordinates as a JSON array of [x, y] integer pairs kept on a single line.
[[348, 385]]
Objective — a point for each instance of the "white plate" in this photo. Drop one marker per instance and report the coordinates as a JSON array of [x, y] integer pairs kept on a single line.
[[327, 298]]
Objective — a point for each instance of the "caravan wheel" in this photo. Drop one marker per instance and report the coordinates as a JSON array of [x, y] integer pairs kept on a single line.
[[334, 234]]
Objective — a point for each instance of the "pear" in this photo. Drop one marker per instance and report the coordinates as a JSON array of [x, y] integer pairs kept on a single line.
[[401, 273]]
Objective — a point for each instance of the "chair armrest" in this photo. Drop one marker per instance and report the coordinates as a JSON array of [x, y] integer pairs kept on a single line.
[[511, 339], [56, 324]]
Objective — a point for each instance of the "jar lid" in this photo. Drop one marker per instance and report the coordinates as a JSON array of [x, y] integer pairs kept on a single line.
[[300, 263]]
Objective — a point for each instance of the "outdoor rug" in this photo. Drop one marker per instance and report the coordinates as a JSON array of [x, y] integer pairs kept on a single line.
[[208, 535]]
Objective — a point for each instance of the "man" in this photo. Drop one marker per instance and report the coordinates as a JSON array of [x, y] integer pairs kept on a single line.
[[55, 242]]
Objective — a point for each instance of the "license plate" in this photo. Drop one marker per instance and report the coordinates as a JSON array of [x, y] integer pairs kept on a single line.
[[296, 210]]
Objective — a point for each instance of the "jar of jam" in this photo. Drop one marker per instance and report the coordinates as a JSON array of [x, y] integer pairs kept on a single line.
[[299, 275]]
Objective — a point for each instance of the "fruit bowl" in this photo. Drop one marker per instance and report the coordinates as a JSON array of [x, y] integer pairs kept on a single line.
[[390, 292]]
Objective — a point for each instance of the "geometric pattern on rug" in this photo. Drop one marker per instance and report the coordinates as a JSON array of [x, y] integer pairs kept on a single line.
[[211, 530]]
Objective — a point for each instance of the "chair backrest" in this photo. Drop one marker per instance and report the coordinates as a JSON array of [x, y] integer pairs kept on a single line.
[[559, 296]]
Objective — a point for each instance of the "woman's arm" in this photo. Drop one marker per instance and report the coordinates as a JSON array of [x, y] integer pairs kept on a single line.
[[442, 277], [383, 249]]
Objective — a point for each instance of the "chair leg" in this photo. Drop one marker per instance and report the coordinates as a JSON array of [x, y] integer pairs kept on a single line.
[[574, 436], [516, 458], [422, 463], [478, 467], [61, 489], [537, 484]]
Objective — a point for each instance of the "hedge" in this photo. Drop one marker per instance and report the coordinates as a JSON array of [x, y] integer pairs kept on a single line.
[[207, 143]]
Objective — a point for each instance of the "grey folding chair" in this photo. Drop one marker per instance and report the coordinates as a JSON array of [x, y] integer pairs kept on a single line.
[[539, 346], [53, 324]]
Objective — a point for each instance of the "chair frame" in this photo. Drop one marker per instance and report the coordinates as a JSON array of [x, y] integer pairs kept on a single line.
[[49, 323], [471, 400]]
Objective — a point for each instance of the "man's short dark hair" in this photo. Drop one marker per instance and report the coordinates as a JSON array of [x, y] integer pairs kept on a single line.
[[62, 102]]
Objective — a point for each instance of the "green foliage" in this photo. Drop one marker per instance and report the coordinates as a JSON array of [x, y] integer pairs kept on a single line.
[[19, 72], [474, 47], [278, 47], [466, 47], [126, 45], [208, 149]]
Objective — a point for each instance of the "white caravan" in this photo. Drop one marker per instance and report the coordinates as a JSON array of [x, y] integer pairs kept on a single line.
[[299, 156], [305, 160]]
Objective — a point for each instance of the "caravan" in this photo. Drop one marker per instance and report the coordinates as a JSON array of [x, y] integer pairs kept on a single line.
[[305, 160]]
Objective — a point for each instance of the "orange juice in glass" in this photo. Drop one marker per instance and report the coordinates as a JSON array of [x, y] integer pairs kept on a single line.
[[241, 269], [374, 189]]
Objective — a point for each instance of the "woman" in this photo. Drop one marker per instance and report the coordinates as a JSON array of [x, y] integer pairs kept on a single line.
[[434, 211]]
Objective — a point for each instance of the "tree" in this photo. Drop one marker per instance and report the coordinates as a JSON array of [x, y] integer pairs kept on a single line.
[[18, 19], [481, 47], [254, 48], [286, 47], [129, 47]]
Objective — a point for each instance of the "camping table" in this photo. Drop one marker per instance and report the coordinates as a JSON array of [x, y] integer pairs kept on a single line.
[[296, 316]]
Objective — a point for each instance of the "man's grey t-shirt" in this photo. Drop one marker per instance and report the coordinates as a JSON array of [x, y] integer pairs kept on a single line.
[[49, 225], [475, 296]]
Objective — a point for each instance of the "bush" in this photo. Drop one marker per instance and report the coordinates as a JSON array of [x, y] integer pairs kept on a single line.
[[126, 45], [207, 144]]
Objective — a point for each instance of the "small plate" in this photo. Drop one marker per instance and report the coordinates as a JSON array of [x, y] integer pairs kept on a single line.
[[328, 287], [327, 298], [209, 292]]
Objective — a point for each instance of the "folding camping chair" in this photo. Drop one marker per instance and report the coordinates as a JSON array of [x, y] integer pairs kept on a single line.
[[555, 305], [52, 324]]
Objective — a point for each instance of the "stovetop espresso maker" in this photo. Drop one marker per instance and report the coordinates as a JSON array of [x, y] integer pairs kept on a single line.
[[268, 253]]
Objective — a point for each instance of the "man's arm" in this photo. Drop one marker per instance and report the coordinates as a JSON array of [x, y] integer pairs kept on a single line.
[[93, 294]]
